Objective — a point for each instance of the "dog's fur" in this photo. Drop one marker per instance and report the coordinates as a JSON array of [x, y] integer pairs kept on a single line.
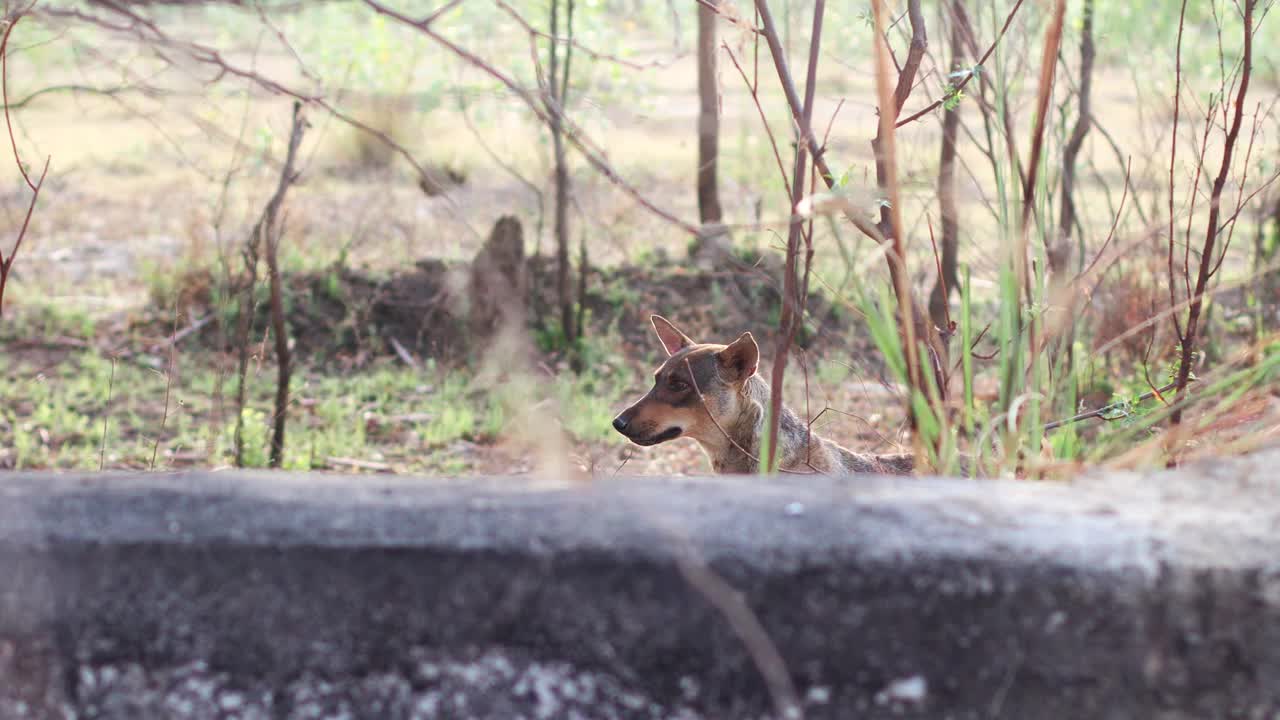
[[711, 393]]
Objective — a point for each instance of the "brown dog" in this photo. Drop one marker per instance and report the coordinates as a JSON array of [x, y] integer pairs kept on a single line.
[[711, 393]]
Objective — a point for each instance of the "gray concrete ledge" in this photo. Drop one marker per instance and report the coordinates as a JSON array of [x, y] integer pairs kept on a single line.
[[212, 595]]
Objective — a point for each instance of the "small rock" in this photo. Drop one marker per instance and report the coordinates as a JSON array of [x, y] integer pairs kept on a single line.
[[912, 689]]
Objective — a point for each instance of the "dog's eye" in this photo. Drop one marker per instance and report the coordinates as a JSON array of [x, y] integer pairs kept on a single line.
[[677, 385]]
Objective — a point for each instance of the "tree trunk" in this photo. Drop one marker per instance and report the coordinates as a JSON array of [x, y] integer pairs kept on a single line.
[[1060, 252], [709, 210], [557, 90], [948, 280], [272, 230]]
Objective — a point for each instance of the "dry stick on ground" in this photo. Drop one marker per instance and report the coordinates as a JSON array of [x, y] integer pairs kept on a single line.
[[1206, 271], [6, 262], [273, 230], [1060, 252]]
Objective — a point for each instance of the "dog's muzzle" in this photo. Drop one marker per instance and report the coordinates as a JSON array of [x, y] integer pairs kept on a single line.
[[640, 436]]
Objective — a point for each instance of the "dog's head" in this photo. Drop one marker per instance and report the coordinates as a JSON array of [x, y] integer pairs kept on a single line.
[[698, 382]]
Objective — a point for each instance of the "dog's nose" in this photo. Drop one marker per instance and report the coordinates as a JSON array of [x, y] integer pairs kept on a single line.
[[620, 424]]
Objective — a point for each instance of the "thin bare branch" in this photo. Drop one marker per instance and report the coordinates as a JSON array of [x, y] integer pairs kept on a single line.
[[885, 146], [1188, 350], [6, 262], [965, 81], [1115, 409], [792, 301], [1173, 159], [273, 229]]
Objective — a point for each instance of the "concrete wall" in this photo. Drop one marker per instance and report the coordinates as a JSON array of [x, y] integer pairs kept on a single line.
[[210, 595]]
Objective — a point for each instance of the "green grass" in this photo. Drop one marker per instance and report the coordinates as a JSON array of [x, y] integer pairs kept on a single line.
[[407, 418], [49, 320]]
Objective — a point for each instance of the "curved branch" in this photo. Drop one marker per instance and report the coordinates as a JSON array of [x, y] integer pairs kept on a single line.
[[6, 263], [915, 54]]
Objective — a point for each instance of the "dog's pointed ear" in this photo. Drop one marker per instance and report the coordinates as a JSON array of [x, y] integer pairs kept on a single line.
[[672, 339], [739, 360]]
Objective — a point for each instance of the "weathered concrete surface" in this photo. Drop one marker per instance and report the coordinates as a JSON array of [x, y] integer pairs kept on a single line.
[[204, 595]]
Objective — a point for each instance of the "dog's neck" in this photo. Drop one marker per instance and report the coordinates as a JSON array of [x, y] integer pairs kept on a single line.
[[737, 448]]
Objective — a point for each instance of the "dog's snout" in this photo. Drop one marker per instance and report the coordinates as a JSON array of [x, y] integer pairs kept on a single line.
[[620, 424]]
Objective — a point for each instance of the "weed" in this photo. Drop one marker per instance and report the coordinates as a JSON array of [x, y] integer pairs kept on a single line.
[[620, 295], [831, 373], [47, 320], [452, 422]]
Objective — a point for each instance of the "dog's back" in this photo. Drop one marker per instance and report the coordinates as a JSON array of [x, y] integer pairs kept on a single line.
[[805, 451], [852, 462]]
